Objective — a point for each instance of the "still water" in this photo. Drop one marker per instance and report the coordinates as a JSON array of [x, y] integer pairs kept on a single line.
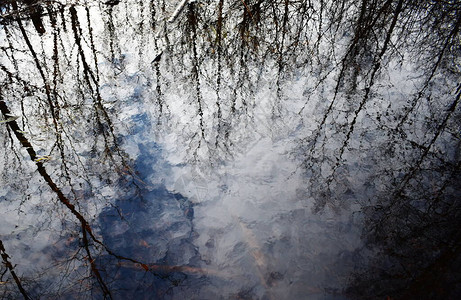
[[221, 150]]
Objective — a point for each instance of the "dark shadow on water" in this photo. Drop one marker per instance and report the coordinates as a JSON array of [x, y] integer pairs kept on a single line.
[[151, 225]]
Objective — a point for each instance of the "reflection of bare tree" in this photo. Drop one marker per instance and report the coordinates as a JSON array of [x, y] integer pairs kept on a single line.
[[90, 243], [57, 107], [86, 229], [9, 267], [361, 137], [192, 25]]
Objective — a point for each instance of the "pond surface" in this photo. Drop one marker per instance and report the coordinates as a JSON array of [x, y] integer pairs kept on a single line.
[[229, 150]]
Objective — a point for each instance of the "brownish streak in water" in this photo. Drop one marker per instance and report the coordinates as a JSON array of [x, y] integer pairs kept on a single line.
[[171, 269]]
